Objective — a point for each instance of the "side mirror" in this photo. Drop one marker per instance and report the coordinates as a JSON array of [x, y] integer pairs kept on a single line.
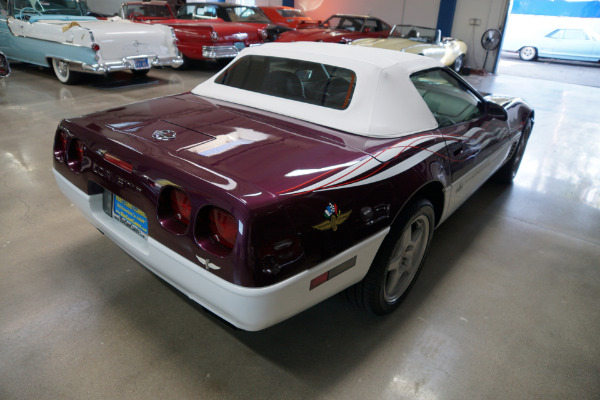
[[495, 110], [4, 66]]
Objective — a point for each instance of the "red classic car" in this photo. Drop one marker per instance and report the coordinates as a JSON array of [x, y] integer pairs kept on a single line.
[[198, 40], [301, 170], [340, 29], [230, 12], [290, 17]]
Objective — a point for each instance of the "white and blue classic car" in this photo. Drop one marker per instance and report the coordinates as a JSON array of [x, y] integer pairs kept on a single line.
[[65, 35]]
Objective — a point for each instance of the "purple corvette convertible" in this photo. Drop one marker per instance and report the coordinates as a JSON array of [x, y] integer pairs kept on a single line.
[[298, 171]]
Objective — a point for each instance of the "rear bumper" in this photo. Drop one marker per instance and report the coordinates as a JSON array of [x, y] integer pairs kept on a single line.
[[125, 64], [225, 51], [250, 309]]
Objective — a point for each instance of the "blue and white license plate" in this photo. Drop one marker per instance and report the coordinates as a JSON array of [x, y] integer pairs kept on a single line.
[[130, 216], [239, 45], [141, 63]]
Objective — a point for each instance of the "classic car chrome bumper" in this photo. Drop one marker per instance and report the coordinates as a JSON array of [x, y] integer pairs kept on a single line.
[[223, 51], [219, 51], [247, 308], [125, 63]]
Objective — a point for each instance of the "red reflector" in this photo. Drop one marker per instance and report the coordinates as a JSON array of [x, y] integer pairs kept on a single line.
[[118, 162], [60, 145], [181, 206], [223, 227], [319, 280], [95, 46]]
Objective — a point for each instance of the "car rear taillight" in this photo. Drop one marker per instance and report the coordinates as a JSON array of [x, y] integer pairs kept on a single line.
[[216, 230], [60, 145], [174, 210], [95, 46], [223, 227], [75, 155]]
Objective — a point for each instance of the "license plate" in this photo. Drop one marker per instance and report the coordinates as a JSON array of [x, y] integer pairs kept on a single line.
[[141, 63], [130, 216], [239, 45]]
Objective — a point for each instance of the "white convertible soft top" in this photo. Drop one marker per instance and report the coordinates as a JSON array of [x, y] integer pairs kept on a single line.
[[385, 103]]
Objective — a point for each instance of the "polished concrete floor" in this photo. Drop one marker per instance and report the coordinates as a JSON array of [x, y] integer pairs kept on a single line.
[[507, 307]]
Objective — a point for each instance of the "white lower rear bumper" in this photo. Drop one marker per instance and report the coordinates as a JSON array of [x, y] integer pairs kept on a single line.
[[250, 309]]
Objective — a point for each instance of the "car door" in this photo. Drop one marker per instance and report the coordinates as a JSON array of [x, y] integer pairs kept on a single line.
[[477, 142], [572, 44]]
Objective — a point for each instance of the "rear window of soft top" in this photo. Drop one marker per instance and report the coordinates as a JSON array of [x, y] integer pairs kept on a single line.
[[299, 80]]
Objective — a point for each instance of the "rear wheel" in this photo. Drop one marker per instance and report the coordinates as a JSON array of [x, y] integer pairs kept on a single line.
[[63, 72], [507, 173], [398, 262], [528, 53]]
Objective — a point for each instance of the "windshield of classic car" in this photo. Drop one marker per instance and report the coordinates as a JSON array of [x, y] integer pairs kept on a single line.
[[246, 14], [146, 10], [305, 81], [449, 100], [416, 33], [291, 13], [193, 11], [344, 23], [44, 7]]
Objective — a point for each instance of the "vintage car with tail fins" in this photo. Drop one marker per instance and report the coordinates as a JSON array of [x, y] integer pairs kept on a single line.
[[291, 17], [198, 39], [423, 41], [60, 34], [340, 28], [299, 171]]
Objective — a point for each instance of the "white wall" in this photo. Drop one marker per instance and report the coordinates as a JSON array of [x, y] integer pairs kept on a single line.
[[492, 14]]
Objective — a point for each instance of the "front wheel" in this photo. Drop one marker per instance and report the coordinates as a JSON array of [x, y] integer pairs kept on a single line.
[[63, 72], [507, 173], [528, 53], [398, 261]]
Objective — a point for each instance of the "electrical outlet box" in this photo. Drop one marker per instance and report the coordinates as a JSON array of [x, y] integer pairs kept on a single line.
[[475, 21]]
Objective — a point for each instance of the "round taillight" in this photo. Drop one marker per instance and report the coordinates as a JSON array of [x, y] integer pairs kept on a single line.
[[223, 227], [174, 210], [95, 46], [60, 145], [216, 230], [75, 155]]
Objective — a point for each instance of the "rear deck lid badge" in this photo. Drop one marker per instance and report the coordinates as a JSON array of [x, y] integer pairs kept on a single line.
[[334, 218], [164, 135]]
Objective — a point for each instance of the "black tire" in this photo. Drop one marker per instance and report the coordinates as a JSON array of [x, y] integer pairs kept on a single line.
[[63, 72], [398, 262], [528, 53], [507, 173], [458, 63]]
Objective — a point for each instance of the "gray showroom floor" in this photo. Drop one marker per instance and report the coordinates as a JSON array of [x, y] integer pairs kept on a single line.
[[507, 307]]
